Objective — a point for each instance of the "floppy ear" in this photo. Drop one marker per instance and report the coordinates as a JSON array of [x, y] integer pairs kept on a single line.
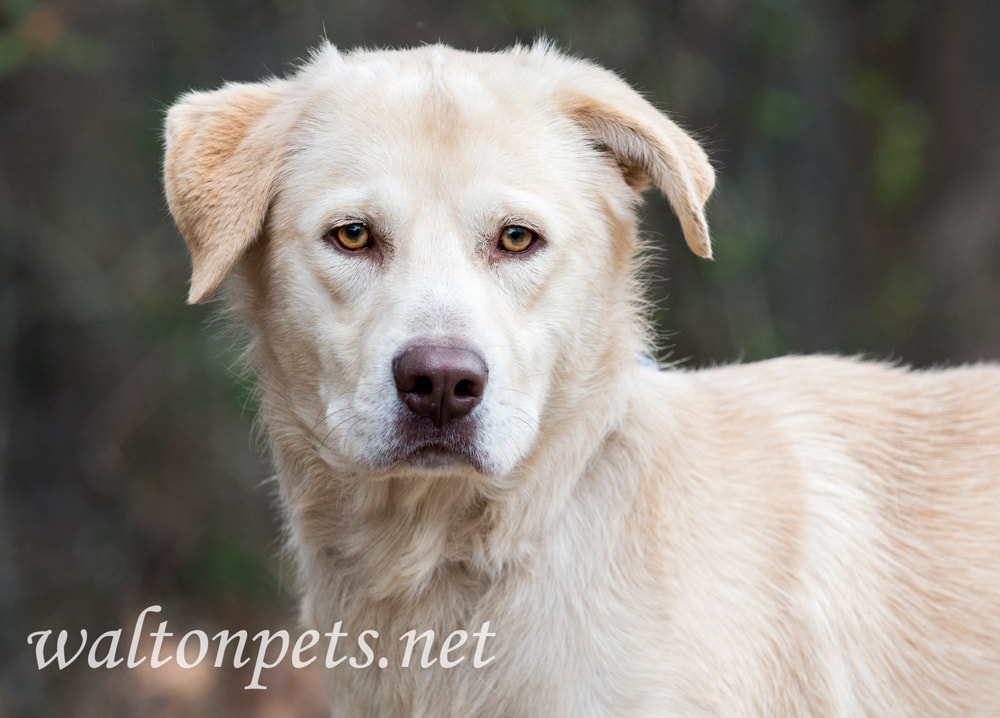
[[223, 151], [648, 145]]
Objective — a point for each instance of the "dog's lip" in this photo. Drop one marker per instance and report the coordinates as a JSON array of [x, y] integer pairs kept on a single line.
[[420, 444], [434, 453], [438, 455]]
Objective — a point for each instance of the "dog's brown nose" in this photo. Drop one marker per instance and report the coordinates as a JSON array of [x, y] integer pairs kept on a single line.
[[442, 383]]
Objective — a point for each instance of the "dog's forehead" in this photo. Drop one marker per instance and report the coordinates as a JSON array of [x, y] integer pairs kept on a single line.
[[434, 71], [425, 108]]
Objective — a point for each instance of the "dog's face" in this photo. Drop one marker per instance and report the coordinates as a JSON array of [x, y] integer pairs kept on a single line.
[[422, 240]]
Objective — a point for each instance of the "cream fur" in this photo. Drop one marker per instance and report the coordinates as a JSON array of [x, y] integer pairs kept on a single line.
[[799, 537]]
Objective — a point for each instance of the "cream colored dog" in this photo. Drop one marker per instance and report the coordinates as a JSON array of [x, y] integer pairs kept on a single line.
[[434, 252]]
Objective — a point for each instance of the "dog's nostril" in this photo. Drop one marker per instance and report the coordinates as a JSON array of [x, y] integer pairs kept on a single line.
[[441, 383], [422, 385]]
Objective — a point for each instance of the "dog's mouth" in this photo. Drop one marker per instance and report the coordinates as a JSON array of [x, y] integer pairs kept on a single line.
[[421, 445]]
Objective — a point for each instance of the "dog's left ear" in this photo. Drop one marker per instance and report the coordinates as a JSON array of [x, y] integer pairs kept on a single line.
[[647, 145]]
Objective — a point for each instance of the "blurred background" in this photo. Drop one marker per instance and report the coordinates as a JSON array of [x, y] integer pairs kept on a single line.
[[857, 210]]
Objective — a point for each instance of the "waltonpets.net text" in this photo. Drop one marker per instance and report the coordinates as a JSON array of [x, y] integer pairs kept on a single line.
[[270, 649]]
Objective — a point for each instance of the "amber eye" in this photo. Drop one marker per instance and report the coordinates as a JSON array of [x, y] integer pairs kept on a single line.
[[353, 236], [516, 239]]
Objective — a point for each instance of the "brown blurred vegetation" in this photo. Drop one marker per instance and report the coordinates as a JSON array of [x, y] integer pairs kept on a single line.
[[858, 151]]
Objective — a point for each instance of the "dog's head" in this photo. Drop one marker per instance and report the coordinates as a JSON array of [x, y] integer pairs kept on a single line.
[[434, 248]]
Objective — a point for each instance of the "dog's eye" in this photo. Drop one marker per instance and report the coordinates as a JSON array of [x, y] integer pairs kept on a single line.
[[516, 239], [353, 236]]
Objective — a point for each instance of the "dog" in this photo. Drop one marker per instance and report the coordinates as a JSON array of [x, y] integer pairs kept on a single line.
[[434, 253]]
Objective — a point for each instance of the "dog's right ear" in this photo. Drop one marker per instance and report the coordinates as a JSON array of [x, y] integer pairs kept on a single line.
[[223, 152]]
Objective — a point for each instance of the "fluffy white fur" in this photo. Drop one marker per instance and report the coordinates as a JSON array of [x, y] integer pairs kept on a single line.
[[799, 537]]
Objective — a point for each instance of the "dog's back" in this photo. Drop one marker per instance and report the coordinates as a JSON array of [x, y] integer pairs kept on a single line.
[[835, 529]]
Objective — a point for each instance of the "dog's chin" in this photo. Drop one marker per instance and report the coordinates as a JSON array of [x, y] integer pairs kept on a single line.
[[435, 459], [428, 461]]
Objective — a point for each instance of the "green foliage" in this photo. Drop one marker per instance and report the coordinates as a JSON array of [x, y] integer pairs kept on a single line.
[[779, 113], [900, 299], [39, 31], [225, 565], [779, 27], [528, 15], [902, 132]]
